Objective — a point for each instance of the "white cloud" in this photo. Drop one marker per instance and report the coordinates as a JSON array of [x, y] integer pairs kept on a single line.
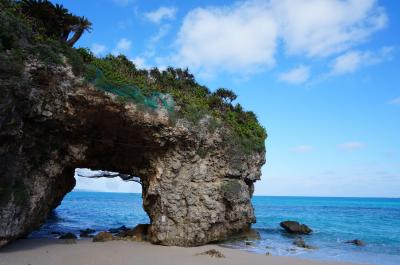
[[123, 45], [98, 49], [140, 62], [237, 38], [151, 48], [297, 75], [350, 146], [347, 63], [353, 60], [321, 27], [303, 149], [243, 37], [395, 101], [162, 13]]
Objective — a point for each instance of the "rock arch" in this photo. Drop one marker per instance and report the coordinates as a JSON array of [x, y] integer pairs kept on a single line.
[[196, 187]]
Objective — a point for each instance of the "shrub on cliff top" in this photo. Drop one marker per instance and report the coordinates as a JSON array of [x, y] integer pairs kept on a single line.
[[195, 101], [23, 34]]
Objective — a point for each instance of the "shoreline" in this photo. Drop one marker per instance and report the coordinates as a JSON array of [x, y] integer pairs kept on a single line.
[[45, 251]]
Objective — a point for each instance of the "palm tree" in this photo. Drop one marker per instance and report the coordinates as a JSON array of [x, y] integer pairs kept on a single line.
[[225, 94], [83, 25], [56, 20], [64, 19], [39, 10]]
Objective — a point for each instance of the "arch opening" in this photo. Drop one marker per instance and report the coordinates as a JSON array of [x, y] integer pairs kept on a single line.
[[100, 201]]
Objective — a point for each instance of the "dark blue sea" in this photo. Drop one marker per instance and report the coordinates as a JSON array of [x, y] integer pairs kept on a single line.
[[334, 220]]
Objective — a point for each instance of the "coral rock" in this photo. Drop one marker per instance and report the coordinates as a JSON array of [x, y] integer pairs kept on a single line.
[[197, 186]]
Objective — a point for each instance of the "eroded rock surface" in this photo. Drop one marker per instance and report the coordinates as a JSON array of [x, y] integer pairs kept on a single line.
[[196, 186]]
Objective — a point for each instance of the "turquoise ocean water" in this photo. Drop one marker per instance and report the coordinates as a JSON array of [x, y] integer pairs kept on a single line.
[[334, 221]]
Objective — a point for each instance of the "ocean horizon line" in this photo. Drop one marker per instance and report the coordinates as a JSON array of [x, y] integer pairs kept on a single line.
[[258, 195]]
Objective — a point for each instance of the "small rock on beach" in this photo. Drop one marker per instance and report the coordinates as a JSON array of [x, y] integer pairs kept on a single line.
[[68, 236], [103, 237], [87, 232], [212, 253]]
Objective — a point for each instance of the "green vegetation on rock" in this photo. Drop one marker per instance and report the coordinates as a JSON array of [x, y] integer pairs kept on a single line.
[[25, 33]]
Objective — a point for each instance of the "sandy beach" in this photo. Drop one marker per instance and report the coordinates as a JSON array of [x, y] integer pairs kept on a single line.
[[85, 252]]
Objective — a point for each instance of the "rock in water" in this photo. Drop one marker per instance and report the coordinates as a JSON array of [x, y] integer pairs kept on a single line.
[[117, 230], [294, 227], [103, 237], [299, 242], [83, 234], [356, 242], [87, 232], [197, 184]]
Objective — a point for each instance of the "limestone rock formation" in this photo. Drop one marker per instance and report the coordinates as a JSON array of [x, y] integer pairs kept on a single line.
[[54, 122]]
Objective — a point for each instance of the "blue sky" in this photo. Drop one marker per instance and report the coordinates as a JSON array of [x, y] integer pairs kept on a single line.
[[322, 76]]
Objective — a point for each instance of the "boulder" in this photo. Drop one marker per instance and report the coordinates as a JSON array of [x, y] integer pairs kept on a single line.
[[249, 243], [87, 232], [356, 242], [294, 227], [68, 236], [139, 233], [118, 229], [299, 242], [103, 237]]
